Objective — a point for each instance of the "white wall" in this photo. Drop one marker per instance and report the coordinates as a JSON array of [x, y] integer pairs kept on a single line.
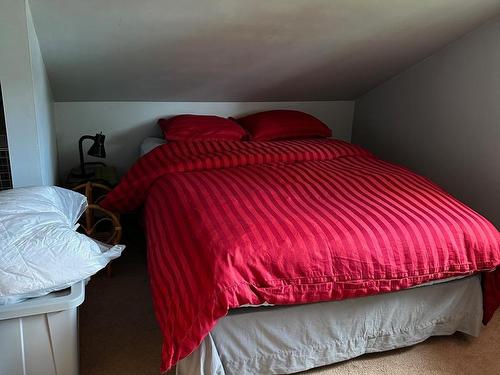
[[442, 119], [126, 124], [17, 91], [44, 108], [26, 96]]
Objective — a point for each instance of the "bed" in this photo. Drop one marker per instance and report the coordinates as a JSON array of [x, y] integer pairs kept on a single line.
[[339, 236]]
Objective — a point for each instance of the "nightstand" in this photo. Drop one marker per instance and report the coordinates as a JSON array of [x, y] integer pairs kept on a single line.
[[102, 174]]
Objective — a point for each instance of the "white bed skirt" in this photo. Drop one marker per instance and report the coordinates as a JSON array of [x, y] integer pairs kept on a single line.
[[284, 340]]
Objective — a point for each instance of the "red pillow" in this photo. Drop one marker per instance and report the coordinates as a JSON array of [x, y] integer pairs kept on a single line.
[[283, 124], [200, 128]]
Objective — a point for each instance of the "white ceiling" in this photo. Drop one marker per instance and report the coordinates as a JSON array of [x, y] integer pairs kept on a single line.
[[246, 50]]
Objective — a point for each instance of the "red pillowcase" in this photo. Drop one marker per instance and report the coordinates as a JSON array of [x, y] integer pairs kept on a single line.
[[283, 124], [200, 128]]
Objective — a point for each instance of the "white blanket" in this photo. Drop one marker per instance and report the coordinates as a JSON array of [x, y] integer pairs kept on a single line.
[[40, 251]]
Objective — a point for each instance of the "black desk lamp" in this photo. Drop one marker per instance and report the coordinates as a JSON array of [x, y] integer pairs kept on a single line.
[[97, 150]]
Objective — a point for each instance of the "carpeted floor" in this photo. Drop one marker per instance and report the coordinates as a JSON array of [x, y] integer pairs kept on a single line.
[[119, 335]]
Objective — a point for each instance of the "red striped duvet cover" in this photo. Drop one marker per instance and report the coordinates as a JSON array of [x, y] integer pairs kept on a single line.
[[289, 222]]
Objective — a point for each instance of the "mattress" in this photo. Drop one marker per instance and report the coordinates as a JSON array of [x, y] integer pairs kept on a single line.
[[260, 341]]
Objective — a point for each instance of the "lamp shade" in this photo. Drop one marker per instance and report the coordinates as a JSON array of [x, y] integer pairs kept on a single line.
[[97, 149]]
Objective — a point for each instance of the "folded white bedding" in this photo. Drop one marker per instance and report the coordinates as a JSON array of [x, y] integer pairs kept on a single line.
[[40, 250]]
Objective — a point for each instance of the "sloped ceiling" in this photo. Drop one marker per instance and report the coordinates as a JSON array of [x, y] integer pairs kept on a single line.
[[240, 50]]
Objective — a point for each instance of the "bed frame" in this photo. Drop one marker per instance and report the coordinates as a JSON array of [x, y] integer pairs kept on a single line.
[[285, 340]]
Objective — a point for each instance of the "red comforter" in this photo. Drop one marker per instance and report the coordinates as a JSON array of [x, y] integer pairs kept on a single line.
[[288, 222]]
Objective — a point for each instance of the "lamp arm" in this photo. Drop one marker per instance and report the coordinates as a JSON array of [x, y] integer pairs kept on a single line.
[[80, 149]]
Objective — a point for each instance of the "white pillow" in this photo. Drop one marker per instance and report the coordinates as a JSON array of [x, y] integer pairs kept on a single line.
[[150, 143], [40, 251]]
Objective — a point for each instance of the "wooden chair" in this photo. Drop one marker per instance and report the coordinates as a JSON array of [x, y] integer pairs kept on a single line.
[[97, 222]]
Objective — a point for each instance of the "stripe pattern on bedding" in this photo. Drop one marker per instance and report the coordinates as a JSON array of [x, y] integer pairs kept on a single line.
[[290, 222]]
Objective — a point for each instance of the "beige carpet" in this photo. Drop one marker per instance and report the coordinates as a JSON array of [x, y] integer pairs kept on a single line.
[[119, 335]]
